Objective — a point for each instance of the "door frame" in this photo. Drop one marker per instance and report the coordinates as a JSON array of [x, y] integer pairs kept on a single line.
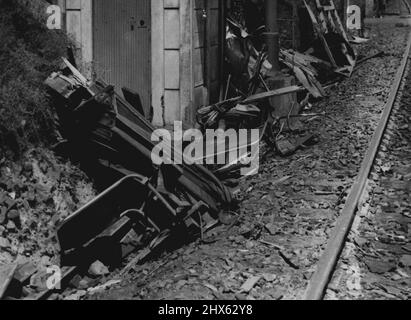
[[182, 106]]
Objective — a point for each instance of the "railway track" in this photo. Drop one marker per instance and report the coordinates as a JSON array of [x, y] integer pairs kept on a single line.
[[407, 5], [344, 226], [328, 262], [305, 208]]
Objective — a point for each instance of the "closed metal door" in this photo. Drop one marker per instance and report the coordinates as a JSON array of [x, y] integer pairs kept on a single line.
[[122, 45]]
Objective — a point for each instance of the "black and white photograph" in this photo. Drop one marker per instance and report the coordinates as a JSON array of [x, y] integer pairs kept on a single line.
[[205, 158]]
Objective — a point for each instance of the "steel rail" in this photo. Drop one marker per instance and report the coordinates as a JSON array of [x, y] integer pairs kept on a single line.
[[407, 5], [328, 261]]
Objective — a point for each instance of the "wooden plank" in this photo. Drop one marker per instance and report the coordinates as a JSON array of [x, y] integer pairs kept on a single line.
[[187, 113], [172, 69], [199, 53], [157, 56], [273, 93]]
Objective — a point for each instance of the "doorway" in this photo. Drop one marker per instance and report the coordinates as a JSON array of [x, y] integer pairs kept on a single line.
[[122, 45]]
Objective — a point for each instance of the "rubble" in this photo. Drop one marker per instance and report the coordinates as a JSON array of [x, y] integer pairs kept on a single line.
[[148, 209], [246, 101], [250, 284], [307, 70], [98, 269], [406, 261], [283, 194], [33, 200], [4, 243]]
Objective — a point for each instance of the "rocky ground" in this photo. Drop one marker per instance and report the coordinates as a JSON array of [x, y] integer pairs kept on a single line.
[[270, 247], [376, 263], [36, 194], [37, 189]]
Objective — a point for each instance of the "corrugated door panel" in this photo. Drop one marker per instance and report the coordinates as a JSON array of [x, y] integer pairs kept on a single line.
[[122, 45]]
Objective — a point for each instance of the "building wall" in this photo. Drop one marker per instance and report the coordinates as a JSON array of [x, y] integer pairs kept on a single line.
[[171, 60], [185, 58], [79, 26], [175, 32]]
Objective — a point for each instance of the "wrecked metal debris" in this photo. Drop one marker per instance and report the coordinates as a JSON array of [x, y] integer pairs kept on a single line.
[[100, 126], [247, 69], [148, 208], [209, 116], [307, 70]]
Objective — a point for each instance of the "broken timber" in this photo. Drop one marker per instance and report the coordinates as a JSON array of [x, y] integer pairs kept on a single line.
[[332, 36], [153, 204]]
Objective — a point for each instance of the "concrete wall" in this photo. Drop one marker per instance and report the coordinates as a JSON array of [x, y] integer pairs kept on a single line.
[[171, 60], [183, 80]]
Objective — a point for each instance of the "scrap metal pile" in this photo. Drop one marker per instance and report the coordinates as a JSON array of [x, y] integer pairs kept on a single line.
[[246, 94]]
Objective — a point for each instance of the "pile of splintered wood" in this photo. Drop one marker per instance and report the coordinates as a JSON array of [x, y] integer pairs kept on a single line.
[[154, 206]]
